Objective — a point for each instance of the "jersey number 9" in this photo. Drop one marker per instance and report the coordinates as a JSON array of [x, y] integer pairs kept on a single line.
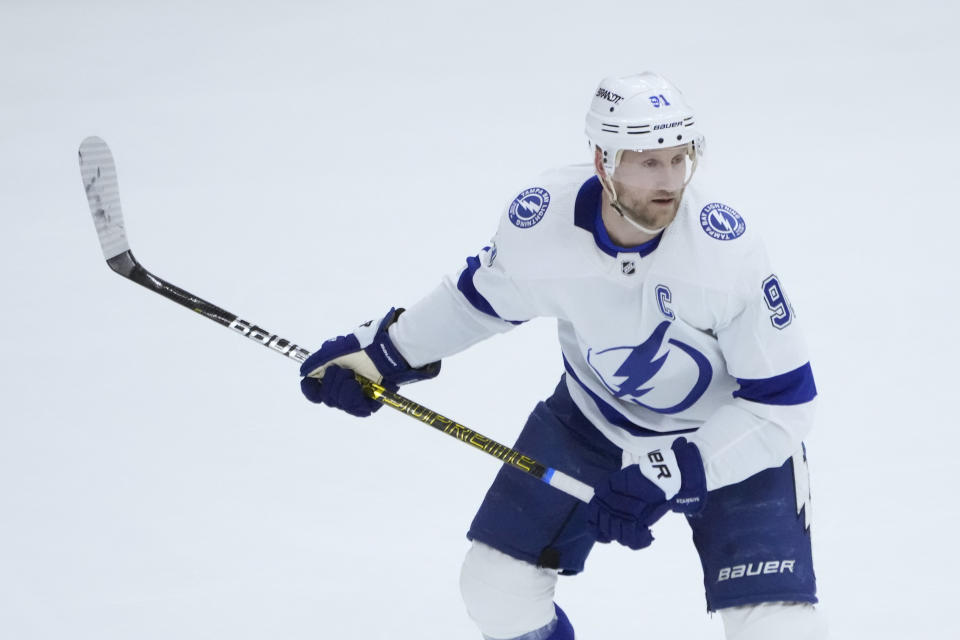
[[777, 302]]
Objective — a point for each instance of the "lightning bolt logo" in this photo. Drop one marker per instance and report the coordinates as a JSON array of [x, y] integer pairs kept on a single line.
[[641, 365], [722, 222], [529, 207], [531, 204]]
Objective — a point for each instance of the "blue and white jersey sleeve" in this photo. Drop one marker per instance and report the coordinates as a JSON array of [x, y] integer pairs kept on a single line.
[[479, 301], [772, 410], [508, 282]]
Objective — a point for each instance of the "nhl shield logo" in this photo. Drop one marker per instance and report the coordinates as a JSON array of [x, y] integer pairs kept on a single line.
[[628, 267], [529, 207]]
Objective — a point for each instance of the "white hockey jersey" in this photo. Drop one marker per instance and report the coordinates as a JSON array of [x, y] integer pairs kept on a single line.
[[690, 333]]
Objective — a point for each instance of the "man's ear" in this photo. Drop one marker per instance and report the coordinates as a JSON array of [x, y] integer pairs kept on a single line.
[[598, 162]]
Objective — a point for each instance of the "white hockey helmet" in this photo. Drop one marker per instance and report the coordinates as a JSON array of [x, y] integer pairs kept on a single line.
[[640, 112]]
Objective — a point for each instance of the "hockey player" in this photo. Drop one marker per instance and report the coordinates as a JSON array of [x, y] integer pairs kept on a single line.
[[687, 386]]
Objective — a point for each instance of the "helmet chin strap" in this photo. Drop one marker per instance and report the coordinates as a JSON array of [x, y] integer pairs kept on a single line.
[[615, 203]]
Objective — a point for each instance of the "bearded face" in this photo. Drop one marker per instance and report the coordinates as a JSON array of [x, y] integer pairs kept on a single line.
[[650, 184]]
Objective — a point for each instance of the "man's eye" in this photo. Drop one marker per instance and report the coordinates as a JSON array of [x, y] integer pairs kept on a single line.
[[649, 164]]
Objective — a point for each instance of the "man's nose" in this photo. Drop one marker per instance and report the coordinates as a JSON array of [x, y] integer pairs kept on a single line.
[[669, 179]]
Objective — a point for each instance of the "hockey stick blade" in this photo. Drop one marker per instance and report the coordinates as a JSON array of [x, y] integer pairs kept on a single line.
[[99, 174]]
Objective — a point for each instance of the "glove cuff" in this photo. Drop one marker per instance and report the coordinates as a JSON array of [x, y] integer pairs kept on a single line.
[[388, 360]]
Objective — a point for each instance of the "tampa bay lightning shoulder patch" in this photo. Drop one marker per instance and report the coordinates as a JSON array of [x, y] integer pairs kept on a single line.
[[529, 207], [721, 222]]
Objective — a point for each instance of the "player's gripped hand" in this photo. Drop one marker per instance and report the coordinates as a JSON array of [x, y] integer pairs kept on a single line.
[[628, 502], [339, 389], [329, 372], [624, 506]]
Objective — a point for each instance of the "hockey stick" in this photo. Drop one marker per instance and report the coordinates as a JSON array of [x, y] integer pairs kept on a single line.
[[99, 175]]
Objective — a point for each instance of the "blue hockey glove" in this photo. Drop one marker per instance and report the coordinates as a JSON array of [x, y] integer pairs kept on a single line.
[[622, 506], [628, 503], [368, 351]]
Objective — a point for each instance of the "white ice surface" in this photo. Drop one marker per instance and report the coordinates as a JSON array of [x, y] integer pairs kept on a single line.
[[309, 164]]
